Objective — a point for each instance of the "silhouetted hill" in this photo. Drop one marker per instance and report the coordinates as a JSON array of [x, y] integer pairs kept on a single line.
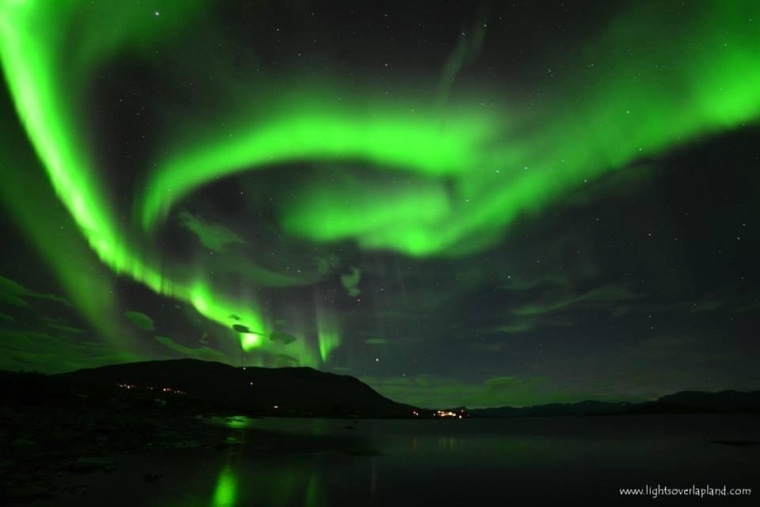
[[685, 402], [723, 401], [195, 385], [214, 387], [553, 409]]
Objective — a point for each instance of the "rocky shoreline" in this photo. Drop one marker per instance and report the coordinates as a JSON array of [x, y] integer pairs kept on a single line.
[[41, 444]]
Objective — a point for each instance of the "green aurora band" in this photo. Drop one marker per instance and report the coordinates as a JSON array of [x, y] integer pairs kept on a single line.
[[637, 93]]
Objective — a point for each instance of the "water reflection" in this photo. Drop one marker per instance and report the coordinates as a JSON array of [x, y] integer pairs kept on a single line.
[[447, 442], [315, 464], [225, 494], [277, 485], [373, 478], [274, 481], [424, 463]]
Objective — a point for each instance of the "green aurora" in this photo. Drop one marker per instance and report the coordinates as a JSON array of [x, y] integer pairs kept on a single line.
[[467, 172]]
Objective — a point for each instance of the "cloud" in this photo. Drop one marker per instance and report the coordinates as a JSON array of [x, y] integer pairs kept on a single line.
[[501, 383], [432, 391], [601, 296], [140, 320], [212, 236], [376, 341], [13, 293], [753, 308], [490, 347], [48, 353], [544, 281], [13, 299], [341, 370], [523, 326], [204, 353], [240, 328], [285, 338], [709, 306], [615, 185], [66, 329], [285, 361], [621, 310], [327, 264], [242, 266], [350, 281], [659, 363], [494, 338], [726, 301]]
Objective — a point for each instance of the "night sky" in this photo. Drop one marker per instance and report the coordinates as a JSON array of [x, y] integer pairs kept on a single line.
[[458, 203]]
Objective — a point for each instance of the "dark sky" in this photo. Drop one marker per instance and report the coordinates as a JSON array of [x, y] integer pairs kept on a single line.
[[458, 203]]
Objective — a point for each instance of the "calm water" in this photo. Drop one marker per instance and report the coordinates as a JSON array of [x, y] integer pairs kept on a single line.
[[457, 462]]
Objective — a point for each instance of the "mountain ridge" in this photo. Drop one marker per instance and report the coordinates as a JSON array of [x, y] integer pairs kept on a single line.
[[681, 402], [303, 391], [214, 386]]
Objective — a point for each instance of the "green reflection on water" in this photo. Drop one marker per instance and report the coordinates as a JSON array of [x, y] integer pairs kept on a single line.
[[225, 493], [275, 482]]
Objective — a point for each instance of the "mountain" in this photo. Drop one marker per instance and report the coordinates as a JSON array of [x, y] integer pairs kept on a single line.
[[554, 409], [211, 386], [201, 386], [685, 402], [723, 401]]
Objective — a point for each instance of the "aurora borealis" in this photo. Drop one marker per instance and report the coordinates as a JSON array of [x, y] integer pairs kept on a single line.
[[457, 203]]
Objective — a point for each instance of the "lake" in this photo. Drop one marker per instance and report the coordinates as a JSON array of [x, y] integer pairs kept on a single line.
[[518, 461]]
